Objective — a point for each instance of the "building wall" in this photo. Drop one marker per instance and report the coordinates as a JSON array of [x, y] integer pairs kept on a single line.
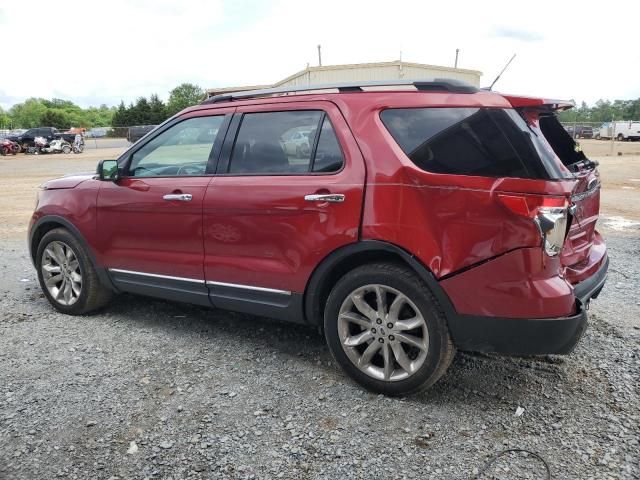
[[389, 71], [364, 72]]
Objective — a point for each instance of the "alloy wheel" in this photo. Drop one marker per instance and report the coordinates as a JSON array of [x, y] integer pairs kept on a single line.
[[61, 273], [383, 333]]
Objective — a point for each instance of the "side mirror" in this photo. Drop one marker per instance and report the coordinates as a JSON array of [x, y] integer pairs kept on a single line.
[[108, 170]]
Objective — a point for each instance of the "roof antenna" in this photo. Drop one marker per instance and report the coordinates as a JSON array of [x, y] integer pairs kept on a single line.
[[500, 74]]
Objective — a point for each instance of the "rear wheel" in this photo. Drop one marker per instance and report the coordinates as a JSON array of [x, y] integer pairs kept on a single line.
[[67, 276], [385, 328], [66, 149], [620, 137]]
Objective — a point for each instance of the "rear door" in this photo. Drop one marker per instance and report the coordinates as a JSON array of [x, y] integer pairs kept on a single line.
[[274, 211]]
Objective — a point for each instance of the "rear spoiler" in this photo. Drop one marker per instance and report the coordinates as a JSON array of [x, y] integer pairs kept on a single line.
[[539, 103]]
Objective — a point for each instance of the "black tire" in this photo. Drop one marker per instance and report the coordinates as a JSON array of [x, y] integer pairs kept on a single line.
[[440, 350], [66, 149], [93, 295], [620, 137]]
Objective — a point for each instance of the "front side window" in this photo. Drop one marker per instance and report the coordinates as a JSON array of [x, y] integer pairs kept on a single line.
[[181, 150], [285, 143], [488, 142]]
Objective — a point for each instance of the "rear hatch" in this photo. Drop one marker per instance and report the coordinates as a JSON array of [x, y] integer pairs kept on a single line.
[[585, 199]]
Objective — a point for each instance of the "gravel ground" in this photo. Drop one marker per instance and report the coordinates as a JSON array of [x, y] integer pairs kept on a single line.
[[152, 389]]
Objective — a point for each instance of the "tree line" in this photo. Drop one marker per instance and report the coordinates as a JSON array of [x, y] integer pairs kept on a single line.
[[62, 114], [603, 111], [36, 112]]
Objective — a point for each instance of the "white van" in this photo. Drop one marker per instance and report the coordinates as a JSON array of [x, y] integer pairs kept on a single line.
[[623, 130]]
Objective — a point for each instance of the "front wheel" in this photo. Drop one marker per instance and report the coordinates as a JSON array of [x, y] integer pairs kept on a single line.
[[385, 328], [67, 276], [66, 149]]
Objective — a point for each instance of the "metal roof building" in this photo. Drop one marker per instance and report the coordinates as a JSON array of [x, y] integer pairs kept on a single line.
[[357, 72]]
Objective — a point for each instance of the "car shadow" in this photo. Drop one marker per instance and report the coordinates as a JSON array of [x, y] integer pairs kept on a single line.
[[471, 378]]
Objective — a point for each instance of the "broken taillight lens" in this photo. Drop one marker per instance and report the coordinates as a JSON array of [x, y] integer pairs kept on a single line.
[[550, 215]]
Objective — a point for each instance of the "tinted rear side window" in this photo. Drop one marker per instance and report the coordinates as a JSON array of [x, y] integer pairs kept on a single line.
[[285, 143], [467, 141], [275, 142]]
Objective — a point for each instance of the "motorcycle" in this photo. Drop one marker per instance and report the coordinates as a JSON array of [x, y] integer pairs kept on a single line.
[[8, 147], [57, 146], [39, 144], [78, 144]]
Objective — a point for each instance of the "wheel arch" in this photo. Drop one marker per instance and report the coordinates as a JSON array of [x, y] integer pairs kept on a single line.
[[50, 222], [344, 259]]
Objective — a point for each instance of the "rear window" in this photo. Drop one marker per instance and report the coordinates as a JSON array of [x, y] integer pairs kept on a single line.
[[563, 145], [488, 142]]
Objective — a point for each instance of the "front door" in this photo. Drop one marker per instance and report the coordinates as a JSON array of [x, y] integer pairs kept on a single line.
[[287, 192], [150, 220]]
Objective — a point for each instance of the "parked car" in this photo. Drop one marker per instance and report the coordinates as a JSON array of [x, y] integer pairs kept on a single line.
[[136, 133], [296, 143], [580, 131], [418, 223], [96, 133], [27, 139]]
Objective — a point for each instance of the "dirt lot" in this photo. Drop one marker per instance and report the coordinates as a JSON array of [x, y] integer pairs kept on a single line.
[[152, 389]]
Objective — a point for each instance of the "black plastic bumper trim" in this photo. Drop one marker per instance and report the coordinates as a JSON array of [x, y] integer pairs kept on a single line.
[[518, 336], [590, 288], [525, 336]]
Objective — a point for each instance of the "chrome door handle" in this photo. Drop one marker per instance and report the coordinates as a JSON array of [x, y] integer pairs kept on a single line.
[[325, 197], [180, 197]]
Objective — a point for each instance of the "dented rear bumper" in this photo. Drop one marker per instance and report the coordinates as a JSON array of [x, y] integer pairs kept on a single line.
[[533, 335]]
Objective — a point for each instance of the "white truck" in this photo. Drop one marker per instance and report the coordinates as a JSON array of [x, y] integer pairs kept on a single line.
[[622, 130]]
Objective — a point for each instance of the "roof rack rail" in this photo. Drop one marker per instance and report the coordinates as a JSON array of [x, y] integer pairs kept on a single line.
[[437, 84]]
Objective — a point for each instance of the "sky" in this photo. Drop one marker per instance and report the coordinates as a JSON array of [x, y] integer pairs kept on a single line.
[[102, 52]]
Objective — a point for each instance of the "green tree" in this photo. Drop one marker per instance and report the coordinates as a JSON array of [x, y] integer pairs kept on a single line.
[[29, 113], [5, 119], [184, 96], [158, 110], [119, 118], [142, 111], [54, 117]]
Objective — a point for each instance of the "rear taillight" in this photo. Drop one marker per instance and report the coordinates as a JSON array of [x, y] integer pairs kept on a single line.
[[550, 215]]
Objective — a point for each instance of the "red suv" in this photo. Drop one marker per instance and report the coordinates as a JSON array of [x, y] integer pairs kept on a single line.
[[406, 220]]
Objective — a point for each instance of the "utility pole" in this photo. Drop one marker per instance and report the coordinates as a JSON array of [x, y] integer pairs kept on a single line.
[[319, 56], [455, 65], [613, 134]]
